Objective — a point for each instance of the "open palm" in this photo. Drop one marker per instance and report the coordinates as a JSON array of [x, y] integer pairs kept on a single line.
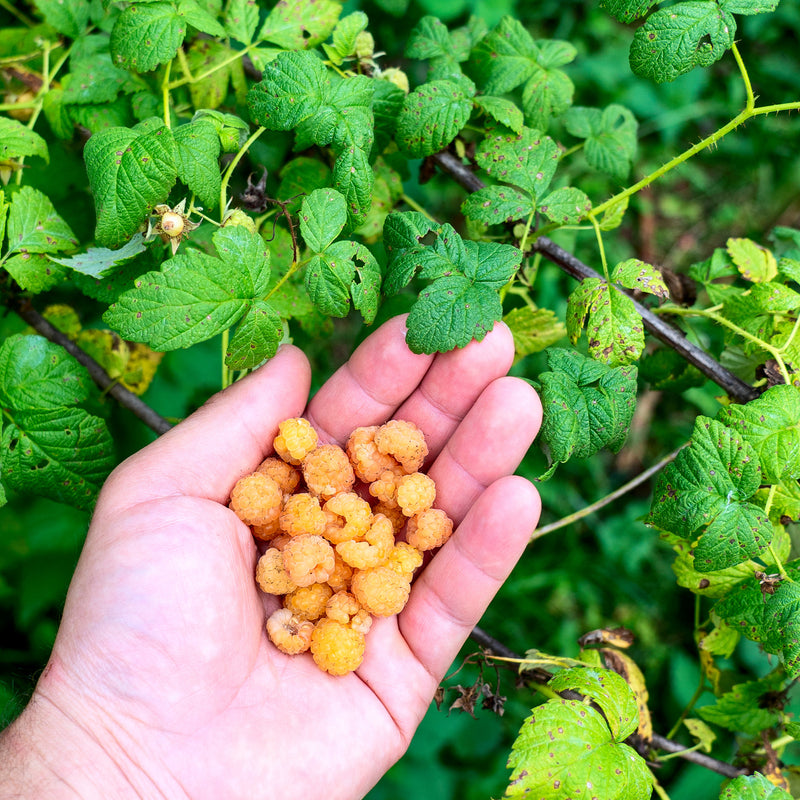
[[162, 660]]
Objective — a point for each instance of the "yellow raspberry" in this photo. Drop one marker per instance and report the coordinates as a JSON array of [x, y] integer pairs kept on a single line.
[[397, 517], [403, 440], [384, 489], [308, 559], [374, 549], [380, 590], [404, 559], [256, 499], [279, 542], [271, 574], [285, 475], [266, 532], [361, 621], [289, 633], [342, 606], [327, 471], [415, 493], [308, 602], [295, 440], [368, 462], [428, 529], [339, 579], [351, 520], [336, 648], [302, 514]]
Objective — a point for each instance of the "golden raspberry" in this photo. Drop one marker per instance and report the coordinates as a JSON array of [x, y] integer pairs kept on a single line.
[[384, 489], [339, 579], [285, 475], [368, 462], [290, 634], [302, 514], [429, 529], [392, 512], [351, 520], [271, 574], [381, 590], [403, 440], [256, 499], [279, 542], [327, 471], [404, 559], [308, 602], [361, 621], [295, 440], [341, 606], [266, 532], [415, 493], [308, 559], [336, 648], [374, 549]]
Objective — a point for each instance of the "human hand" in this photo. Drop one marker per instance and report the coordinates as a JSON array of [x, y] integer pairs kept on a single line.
[[162, 682]]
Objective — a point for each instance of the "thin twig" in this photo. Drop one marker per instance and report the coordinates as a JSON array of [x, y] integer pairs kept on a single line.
[[736, 388], [123, 396]]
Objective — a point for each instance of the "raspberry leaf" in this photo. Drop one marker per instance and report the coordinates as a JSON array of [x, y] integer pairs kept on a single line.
[[503, 111], [566, 205], [344, 36], [628, 10], [242, 250], [17, 140], [494, 205], [34, 272], [241, 20], [197, 159], [97, 80], [755, 263], [130, 170], [749, 6], [610, 136], [505, 58], [323, 216], [704, 493], [257, 337], [753, 787], [636, 274], [300, 24], [34, 226], [69, 17], [534, 329], [146, 35], [740, 708]]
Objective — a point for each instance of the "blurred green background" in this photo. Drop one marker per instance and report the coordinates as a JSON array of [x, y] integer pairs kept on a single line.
[[606, 570]]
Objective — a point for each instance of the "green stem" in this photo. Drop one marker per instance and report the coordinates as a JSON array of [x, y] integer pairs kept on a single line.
[[226, 372], [295, 265], [574, 149], [165, 93], [524, 240], [679, 753], [410, 201], [25, 20], [659, 789], [211, 70], [223, 189], [785, 345], [599, 234], [751, 100], [184, 64]]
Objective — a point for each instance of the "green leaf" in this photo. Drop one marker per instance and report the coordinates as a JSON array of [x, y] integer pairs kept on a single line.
[[771, 424], [753, 787], [711, 583], [627, 10], [97, 80], [614, 327], [247, 252], [610, 136], [301, 176], [587, 405], [432, 117], [3, 215], [386, 191], [35, 373], [301, 24], [62, 453], [16, 141], [197, 159], [34, 226], [323, 216], [547, 94], [34, 272], [701, 733], [503, 111], [241, 20], [199, 18], [741, 709], [565, 746], [639, 275], [345, 35], [494, 205], [754, 262], [706, 490], [99, 261], [534, 329], [256, 339], [130, 170], [567, 205], [212, 59], [505, 58], [387, 103], [613, 215], [749, 6], [146, 35], [675, 40], [528, 161], [429, 39], [69, 17]]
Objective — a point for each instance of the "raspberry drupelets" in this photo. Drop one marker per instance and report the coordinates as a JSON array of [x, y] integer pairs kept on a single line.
[[330, 517]]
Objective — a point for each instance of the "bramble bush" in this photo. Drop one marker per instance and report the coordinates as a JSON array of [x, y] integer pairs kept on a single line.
[[189, 183]]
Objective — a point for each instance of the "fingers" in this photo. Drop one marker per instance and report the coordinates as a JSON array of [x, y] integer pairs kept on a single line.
[[226, 438]]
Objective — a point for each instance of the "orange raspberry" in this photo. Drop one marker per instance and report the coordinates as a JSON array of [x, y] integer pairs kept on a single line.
[[271, 574], [428, 529], [295, 440], [404, 559], [403, 440], [302, 514], [384, 488], [336, 648], [380, 590], [327, 471], [308, 559], [285, 475], [289, 633], [374, 549], [256, 499], [351, 520], [266, 532], [308, 602], [393, 513], [368, 462], [415, 493]]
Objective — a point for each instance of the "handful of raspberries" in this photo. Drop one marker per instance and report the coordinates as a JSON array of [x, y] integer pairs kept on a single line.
[[331, 518]]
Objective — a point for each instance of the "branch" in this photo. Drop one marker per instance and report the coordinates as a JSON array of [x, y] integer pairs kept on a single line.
[[123, 396], [736, 388], [491, 644]]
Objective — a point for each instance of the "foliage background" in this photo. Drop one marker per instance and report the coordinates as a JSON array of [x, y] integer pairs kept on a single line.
[[606, 570]]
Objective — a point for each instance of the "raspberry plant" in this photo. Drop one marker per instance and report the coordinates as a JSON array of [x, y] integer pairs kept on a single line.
[[255, 172]]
